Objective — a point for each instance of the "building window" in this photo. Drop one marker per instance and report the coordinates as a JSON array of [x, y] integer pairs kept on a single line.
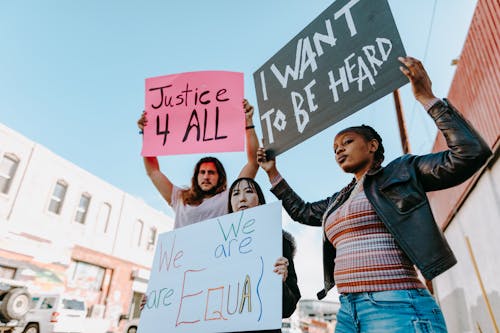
[[135, 309], [85, 276], [137, 235], [151, 238], [34, 301], [7, 272], [103, 217], [8, 168], [48, 303], [83, 207], [57, 199]]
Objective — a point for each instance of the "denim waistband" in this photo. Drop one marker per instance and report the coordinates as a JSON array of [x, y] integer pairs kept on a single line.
[[411, 293]]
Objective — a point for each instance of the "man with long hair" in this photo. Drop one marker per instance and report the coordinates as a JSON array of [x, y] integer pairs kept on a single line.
[[206, 197]]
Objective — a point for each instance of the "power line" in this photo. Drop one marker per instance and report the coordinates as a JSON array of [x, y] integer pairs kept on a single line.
[[430, 30], [427, 43]]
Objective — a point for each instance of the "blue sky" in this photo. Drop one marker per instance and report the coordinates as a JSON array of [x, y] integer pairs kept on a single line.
[[72, 79]]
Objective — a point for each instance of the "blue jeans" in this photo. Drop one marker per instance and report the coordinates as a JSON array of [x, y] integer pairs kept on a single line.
[[411, 310]]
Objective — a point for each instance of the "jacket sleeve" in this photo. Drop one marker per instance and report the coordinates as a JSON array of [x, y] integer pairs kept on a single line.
[[291, 292], [466, 153], [298, 209]]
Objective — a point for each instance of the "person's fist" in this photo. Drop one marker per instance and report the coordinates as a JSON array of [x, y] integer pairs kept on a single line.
[[281, 267], [248, 112], [143, 121], [421, 84], [263, 162]]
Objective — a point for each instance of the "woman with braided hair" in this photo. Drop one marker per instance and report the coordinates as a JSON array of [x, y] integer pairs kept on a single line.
[[378, 227]]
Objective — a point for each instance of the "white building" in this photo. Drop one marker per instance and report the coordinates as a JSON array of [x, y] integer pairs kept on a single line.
[[62, 228]]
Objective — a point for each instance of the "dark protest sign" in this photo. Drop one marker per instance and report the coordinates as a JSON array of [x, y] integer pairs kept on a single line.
[[196, 112], [341, 62]]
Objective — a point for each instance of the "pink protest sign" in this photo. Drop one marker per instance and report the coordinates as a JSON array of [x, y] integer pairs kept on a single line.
[[196, 112]]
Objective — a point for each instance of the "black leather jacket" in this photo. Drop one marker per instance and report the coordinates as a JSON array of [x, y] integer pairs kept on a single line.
[[397, 193]]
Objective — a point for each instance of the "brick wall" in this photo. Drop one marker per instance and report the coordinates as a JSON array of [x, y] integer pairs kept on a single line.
[[475, 91]]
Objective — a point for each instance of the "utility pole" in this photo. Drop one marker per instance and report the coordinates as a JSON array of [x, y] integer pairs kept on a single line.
[[401, 123]]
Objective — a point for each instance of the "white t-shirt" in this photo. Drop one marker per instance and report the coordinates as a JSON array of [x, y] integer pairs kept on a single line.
[[187, 214]]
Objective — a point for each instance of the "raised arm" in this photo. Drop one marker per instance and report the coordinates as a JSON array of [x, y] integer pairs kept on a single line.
[[466, 152], [252, 144], [160, 181]]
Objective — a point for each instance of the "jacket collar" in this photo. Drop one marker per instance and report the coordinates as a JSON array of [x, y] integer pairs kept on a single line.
[[374, 172]]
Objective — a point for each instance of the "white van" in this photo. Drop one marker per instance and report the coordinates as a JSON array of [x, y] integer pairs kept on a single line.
[[51, 313]]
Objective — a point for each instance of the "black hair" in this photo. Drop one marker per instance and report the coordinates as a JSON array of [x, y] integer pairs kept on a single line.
[[369, 134], [253, 184]]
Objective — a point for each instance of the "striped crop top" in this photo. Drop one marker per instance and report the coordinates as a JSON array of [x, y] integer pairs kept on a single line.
[[368, 257]]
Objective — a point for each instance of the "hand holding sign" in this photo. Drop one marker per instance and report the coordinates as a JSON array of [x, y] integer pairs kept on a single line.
[[248, 113], [267, 164], [142, 122], [281, 267], [196, 112], [421, 84]]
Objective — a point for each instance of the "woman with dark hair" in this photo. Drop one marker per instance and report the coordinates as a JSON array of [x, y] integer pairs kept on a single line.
[[380, 225], [245, 193]]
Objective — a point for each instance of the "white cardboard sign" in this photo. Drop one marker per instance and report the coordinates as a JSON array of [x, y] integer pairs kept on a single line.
[[217, 275]]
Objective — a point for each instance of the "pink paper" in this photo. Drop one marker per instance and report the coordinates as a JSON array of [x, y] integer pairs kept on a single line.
[[196, 112]]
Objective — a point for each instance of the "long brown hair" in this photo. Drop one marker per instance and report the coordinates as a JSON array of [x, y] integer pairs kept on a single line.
[[194, 195]]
